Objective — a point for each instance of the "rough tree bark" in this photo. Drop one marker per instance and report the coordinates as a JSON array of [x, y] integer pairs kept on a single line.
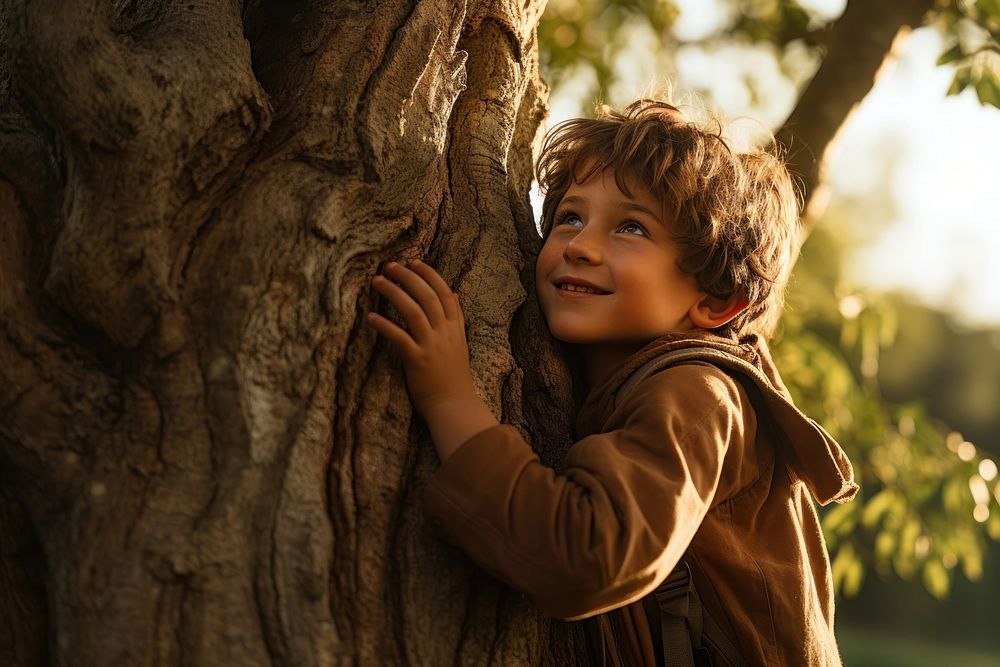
[[205, 457]]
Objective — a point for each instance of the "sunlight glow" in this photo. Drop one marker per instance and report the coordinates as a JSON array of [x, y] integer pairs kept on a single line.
[[824, 9], [966, 451], [940, 239], [851, 306], [698, 19], [980, 492]]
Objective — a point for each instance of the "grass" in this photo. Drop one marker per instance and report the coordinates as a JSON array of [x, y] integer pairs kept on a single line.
[[862, 648]]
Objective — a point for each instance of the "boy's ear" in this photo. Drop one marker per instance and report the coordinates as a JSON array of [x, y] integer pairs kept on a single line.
[[712, 312]]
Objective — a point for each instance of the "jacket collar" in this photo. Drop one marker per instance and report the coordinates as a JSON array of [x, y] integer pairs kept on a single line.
[[812, 455]]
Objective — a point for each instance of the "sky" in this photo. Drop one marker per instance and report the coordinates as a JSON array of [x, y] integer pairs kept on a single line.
[[936, 236], [943, 242]]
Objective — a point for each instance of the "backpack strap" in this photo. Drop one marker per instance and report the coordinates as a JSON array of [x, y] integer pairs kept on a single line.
[[714, 634], [680, 617], [685, 626]]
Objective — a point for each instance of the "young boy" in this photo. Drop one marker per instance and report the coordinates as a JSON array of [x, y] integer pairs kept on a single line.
[[665, 257]]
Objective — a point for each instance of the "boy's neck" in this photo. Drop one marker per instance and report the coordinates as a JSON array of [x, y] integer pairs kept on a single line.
[[601, 361]]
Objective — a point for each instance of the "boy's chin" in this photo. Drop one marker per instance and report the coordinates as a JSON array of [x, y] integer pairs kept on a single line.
[[570, 338], [599, 342]]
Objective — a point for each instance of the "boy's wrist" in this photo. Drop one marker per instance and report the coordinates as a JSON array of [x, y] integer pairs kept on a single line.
[[454, 420]]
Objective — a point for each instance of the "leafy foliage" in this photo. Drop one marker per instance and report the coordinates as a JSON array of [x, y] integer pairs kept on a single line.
[[591, 33], [929, 499], [972, 27]]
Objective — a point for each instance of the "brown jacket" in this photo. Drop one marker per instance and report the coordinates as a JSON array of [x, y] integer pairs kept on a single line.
[[681, 466]]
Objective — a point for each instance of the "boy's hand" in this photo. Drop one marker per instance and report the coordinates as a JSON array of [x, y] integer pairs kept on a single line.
[[434, 351]]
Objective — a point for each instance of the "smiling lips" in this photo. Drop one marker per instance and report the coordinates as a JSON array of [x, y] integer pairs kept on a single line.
[[579, 287]]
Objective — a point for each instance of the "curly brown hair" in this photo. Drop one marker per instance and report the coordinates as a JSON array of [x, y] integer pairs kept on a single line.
[[734, 214]]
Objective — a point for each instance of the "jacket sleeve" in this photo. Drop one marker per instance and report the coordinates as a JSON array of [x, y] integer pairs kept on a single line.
[[606, 532]]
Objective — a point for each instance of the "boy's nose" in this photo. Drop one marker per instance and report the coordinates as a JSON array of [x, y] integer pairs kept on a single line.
[[582, 248]]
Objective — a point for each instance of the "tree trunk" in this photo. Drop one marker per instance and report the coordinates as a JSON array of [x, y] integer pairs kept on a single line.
[[206, 458]]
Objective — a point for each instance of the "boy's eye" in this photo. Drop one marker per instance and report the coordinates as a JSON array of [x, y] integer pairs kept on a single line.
[[633, 227], [569, 218]]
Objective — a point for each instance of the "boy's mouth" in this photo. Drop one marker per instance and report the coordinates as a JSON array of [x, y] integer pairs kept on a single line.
[[586, 289]]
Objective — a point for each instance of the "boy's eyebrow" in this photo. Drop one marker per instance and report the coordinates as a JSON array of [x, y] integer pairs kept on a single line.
[[627, 205], [633, 206]]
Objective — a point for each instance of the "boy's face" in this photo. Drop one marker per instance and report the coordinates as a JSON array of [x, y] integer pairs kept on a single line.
[[608, 274]]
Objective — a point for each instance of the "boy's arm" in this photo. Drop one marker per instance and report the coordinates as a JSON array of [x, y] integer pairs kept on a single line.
[[435, 353], [617, 521]]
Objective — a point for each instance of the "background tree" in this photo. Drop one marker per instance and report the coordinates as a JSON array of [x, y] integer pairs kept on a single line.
[[205, 457]]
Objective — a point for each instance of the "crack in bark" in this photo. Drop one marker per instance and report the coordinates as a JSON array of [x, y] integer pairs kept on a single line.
[[24, 608], [269, 579]]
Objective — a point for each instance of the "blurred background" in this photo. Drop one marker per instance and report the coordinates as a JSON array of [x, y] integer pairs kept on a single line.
[[892, 334]]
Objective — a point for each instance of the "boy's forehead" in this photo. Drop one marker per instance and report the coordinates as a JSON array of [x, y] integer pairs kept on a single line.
[[625, 178], [634, 189]]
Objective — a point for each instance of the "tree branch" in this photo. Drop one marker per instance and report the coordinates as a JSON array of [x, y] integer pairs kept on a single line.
[[858, 44]]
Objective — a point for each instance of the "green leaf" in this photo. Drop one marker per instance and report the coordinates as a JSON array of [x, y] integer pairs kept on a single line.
[[951, 55], [839, 519], [853, 578], [848, 571], [876, 507], [972, 565], [796, 16], [993, 525], [989, 11], [988, 91], [963, 77], [908, 536], [936, 579], [955, 494], [885, 545]]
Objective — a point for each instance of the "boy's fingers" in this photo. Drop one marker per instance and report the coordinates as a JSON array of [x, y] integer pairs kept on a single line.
[[392, 332], [418, 289], [433, 278], [412, 312]]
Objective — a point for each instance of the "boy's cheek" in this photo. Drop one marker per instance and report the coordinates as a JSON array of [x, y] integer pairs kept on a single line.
[[548, 257]]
